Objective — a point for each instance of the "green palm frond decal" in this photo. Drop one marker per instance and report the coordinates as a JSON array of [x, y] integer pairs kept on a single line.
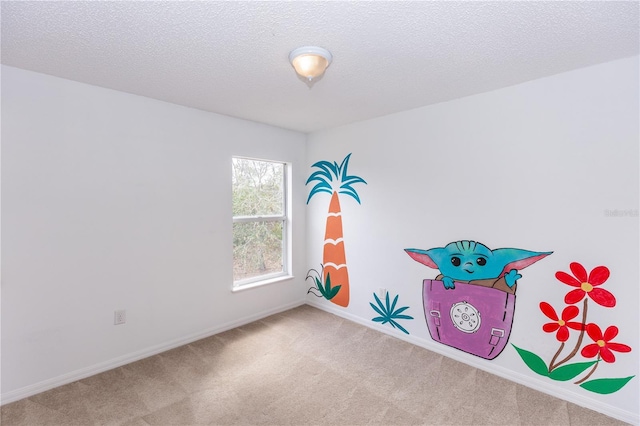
[[388, 314], [328, 173]]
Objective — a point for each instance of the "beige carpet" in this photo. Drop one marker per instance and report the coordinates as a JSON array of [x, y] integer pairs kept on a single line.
[[300, 367]]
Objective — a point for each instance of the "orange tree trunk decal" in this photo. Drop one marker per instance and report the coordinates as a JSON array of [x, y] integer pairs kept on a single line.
[[333, 257], [332, 282]]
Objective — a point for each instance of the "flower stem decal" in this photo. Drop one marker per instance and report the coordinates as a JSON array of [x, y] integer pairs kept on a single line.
[[602, 347]]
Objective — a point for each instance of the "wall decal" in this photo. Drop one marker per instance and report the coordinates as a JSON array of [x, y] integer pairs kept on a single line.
[[324, 288], [333, 179], [601, 346], [388, 312], [471, 303]]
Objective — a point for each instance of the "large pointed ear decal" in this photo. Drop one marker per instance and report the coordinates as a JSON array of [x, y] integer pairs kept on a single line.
[[518, 259], [422, 256]]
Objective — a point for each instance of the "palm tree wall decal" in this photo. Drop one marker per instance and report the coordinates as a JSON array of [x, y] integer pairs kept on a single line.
[[334, 179]]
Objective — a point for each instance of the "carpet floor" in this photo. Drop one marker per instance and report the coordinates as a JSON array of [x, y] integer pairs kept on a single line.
[[300, 367]]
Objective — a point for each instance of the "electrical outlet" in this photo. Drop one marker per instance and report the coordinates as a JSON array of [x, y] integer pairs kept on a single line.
[[119, 317], [382, 292]]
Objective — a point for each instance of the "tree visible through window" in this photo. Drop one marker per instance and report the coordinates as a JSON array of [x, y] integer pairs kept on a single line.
[[259, 220]]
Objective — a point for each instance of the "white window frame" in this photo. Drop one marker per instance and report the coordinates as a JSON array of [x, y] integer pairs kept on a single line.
[[285, 218]]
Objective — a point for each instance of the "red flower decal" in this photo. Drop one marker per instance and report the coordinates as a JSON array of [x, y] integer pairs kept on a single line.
[[562, 324], [603, 344], [587, 285]]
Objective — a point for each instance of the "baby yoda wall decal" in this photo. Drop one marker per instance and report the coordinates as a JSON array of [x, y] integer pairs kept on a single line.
[[467, 261], [470, 304]]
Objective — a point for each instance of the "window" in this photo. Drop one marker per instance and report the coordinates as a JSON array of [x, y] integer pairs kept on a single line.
[[260, 221]]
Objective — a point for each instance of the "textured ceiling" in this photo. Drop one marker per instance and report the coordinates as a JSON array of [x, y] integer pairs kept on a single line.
[[232, 57]]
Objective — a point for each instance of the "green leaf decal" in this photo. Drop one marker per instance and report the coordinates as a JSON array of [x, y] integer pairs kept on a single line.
[[387, 312], [569, 371], [403, 317], [330, 172], [533, 361], [375, 308], [325, 290], [393, 305], [399, 311], [332, 293], [395, 324], [605, 386]]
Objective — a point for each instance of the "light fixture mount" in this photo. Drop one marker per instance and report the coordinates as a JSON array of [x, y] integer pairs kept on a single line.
[[310, 62]]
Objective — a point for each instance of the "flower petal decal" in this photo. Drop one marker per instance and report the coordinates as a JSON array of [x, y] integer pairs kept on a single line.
[[562, 324], [603, 345], [586, 285]]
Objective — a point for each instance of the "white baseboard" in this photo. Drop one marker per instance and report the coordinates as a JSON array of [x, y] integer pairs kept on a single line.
[[83, 373], [531, 382]]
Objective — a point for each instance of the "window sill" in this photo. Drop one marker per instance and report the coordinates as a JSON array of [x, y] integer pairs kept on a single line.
[[261, 283]]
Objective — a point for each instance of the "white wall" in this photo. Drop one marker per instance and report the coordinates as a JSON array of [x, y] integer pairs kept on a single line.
[[532, 166], [114, 201]]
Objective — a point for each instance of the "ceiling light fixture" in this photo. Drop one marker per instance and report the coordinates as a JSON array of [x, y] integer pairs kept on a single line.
[[310, 62]]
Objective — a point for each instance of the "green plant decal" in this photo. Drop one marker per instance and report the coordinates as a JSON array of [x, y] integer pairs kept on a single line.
[[325, 289], [585, 287], [328, 172], [388, 314]]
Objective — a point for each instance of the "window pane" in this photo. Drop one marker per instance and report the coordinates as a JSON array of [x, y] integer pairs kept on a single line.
[[257, 249], [258, 188]]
